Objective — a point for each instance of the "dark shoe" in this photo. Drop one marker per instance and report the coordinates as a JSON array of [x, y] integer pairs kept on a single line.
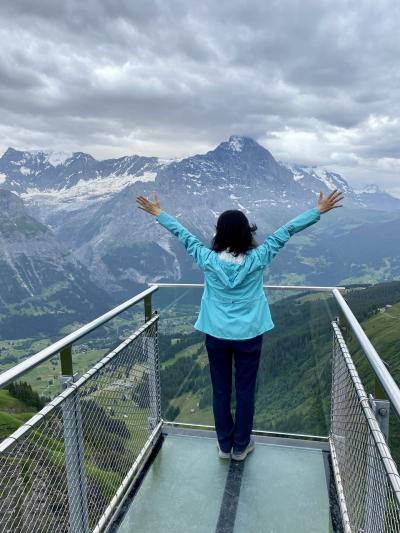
[[241, 456]]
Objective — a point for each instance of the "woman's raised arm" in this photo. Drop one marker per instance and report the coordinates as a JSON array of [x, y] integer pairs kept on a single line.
[[271, 246], [193, 245]]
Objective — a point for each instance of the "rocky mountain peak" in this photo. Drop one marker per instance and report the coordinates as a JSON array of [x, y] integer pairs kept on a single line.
[[238, 143], [239, 165], [82, 156], [10, 152], [12, 156], [239, 146]]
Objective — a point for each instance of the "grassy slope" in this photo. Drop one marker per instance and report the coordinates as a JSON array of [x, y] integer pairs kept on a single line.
[[383, 330], [13, 413]]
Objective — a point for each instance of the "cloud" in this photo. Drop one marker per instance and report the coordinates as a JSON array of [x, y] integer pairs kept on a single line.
[[315, 81]]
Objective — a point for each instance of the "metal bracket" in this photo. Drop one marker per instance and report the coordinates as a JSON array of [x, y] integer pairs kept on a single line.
[[381, 409]]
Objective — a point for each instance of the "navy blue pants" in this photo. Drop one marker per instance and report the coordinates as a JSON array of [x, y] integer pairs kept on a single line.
[[246, 356]]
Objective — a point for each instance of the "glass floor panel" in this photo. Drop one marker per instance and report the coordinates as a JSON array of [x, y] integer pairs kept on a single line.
[[277, 489]]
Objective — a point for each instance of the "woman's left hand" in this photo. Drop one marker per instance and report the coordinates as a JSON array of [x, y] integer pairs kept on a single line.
[[329, 202], [151, 207]]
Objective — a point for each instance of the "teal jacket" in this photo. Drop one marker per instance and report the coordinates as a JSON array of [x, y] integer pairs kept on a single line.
[[234, 304]]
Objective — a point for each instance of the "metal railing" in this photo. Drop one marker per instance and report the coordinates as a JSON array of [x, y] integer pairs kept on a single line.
[[381, 372], [366, 476], [67, 468], [276, 287]]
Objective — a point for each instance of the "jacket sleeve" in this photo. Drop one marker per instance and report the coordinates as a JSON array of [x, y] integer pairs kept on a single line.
[[193, 245], [271, 246]]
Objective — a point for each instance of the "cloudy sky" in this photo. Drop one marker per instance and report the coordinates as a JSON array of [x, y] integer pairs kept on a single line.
[[314, 81]]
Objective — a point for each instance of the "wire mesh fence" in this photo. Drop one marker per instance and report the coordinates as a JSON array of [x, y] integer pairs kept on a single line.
[[366, 476], [60, 471]]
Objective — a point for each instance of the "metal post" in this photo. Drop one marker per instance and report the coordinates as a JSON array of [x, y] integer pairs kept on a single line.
[[375, 506], [147, 307], [150, 348], [66, 361], [73, 442]]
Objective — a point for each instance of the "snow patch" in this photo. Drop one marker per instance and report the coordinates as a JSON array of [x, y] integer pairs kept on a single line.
[[244, 208], [331, 179], [167, 161], [369, 189], [193, 175], [297, 173], [323, 176], [146, 176], [25, 171], [86, 190], [3, 178], [57, 158], [235, 144]]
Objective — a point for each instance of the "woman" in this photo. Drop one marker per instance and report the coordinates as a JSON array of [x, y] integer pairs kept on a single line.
[[234, 311]]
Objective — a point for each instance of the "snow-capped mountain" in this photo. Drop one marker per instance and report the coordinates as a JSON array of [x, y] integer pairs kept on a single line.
[[91, 206], [313, 178], [31, 172], [238, 165], [373, 197], [370, 197]]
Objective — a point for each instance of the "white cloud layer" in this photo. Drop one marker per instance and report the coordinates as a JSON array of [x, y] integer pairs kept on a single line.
[[315, 81]]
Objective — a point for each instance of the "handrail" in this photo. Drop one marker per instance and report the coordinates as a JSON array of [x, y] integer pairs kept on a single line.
[[38, 358], [33, 361], [278, 287], [388, 383]]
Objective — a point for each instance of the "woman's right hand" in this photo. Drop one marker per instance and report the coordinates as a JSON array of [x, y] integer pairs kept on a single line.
[[330, 202], [150, 207]]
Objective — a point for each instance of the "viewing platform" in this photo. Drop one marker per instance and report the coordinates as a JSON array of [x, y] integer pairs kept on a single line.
[[104, 455], [187, 488]]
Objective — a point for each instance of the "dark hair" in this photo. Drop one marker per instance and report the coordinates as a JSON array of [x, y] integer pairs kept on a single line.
[[234, 232]]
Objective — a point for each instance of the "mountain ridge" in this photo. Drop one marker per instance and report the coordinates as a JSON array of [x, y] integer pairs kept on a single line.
[[90, 206], [43, 169]]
